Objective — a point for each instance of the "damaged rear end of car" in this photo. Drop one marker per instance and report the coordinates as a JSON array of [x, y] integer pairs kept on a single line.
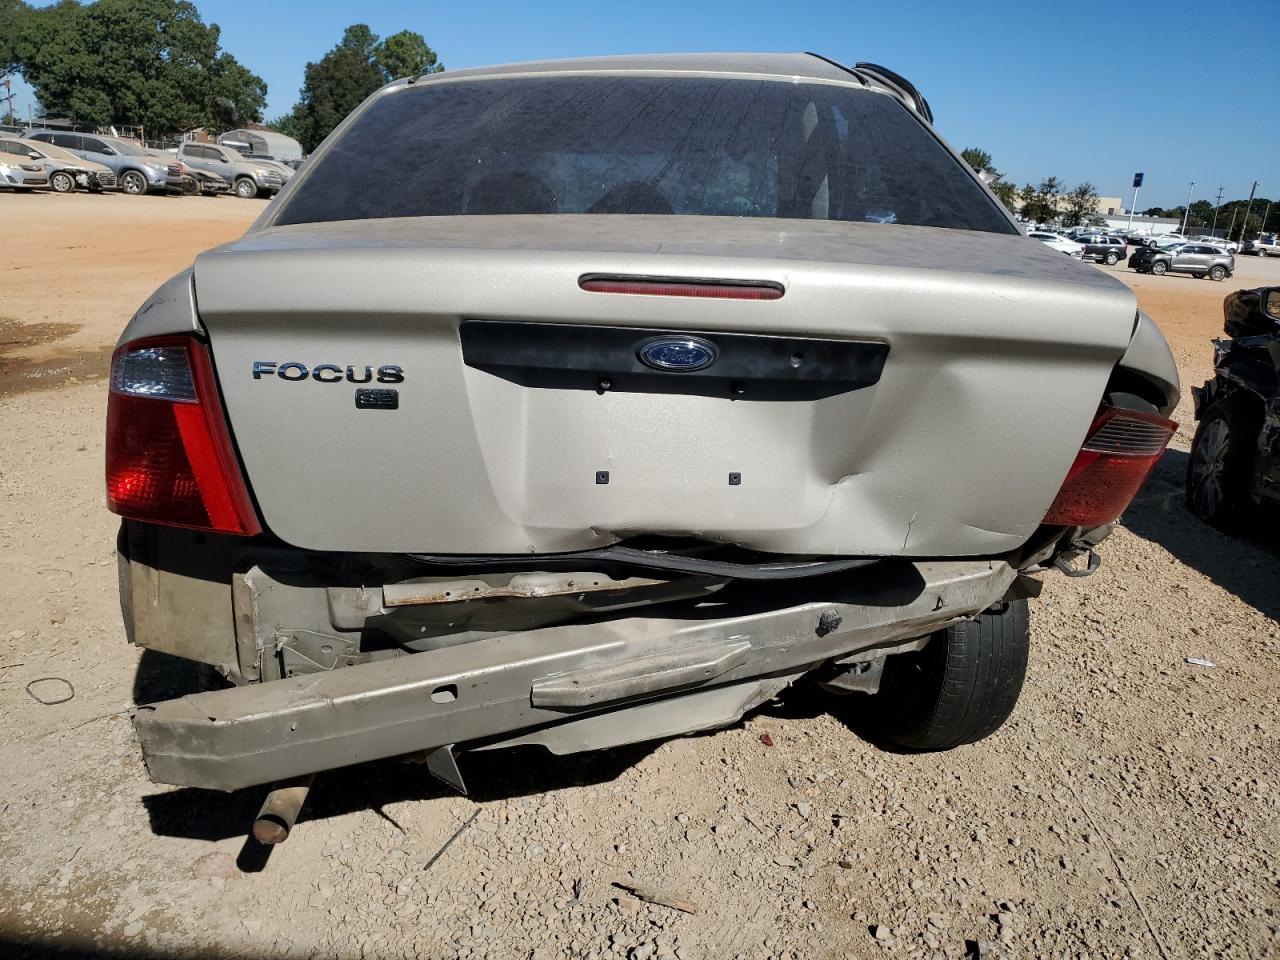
[[615, 439]]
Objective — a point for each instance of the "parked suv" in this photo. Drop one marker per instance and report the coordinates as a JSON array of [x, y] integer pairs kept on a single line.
[[1198, 259], [1265, 245], [1110, 250], [248, 178], [137, 169], [543, 415]]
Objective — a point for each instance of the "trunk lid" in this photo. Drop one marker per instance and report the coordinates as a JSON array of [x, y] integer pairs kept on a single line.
[[998, 352]]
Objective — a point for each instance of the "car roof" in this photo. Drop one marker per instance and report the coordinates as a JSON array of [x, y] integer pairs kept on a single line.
[[789, 66], [781, 67]]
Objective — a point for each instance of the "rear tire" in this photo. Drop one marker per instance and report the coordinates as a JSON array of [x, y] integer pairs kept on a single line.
[[1218, 273], [1112, 259], [960, 688], [1221, 459], [1159, 268]]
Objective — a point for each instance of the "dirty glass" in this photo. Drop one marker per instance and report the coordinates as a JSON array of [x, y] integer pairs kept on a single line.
[[604, 144]]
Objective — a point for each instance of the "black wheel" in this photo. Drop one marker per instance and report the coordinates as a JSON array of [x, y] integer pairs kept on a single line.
[[246, 189], [1218, 273], [62, 182], [958, 689], [1112, 259], [133, 183], [1221, 460], [1159, 268]]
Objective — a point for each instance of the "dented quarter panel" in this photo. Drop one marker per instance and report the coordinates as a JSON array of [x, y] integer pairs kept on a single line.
[[170, 310], [1148, 354]]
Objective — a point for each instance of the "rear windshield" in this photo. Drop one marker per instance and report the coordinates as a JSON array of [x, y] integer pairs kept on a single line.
[[641, 145]]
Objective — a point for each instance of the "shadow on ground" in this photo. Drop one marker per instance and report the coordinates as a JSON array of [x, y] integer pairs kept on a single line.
[[17, 946], [1243, 560], [214, 815], [498, 775]]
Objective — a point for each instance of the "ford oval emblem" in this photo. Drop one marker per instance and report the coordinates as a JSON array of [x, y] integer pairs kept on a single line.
[[677, 354]]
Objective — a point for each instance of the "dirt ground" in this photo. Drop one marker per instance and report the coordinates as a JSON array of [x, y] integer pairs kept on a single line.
[[1130, 808]]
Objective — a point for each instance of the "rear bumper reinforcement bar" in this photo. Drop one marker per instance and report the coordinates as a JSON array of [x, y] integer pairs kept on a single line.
[[263, 732]]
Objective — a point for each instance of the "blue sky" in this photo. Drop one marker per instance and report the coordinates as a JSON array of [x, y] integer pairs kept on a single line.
[[1084, 91]]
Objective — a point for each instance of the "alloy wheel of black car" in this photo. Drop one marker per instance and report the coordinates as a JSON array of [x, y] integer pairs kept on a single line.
[[1112, 259], [1217, 469]]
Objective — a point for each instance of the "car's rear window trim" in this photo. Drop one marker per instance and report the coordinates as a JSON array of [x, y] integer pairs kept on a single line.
[[852, 85]]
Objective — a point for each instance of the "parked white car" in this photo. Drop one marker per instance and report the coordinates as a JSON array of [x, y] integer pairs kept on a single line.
[[1228, 245], [1167, 241], [1058, 242]]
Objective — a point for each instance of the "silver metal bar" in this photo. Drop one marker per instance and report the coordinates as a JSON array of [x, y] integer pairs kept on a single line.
[[252, 734]]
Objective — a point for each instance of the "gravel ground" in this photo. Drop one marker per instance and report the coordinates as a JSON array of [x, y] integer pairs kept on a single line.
[[1129, 808]]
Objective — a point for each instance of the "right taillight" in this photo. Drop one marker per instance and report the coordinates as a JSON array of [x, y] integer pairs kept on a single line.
[[1119, 452], [169, 456]]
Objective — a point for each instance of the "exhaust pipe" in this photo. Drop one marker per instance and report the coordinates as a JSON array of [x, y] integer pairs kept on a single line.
[[281, 808]]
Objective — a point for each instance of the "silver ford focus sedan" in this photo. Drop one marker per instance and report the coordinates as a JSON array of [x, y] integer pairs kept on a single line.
[[580, 403]]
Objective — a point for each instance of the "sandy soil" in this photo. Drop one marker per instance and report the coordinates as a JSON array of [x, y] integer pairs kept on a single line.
[[1130, 808]]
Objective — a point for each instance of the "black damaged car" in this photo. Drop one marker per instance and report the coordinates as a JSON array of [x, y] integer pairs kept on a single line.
[[1234, 466]]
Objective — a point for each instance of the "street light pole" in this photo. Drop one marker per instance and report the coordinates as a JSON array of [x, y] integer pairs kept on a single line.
[[1217, 202], [1263, 228], [1244, 226], [1186, 214]]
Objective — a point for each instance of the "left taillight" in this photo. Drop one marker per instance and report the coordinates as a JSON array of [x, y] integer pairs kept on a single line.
[[169, 455], [1118, 453]]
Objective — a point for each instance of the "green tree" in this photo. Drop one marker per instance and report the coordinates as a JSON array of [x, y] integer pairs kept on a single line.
[[977, 158], [1006, 192], [1081, 204], [406, 54], [336, 84], [1040, 203], [1201, 214], [154, 63], [984, 165], [10, 10]]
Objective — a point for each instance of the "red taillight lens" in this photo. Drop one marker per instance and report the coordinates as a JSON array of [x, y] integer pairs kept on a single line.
[[169, 457], [659, 287], [1121, 449]]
